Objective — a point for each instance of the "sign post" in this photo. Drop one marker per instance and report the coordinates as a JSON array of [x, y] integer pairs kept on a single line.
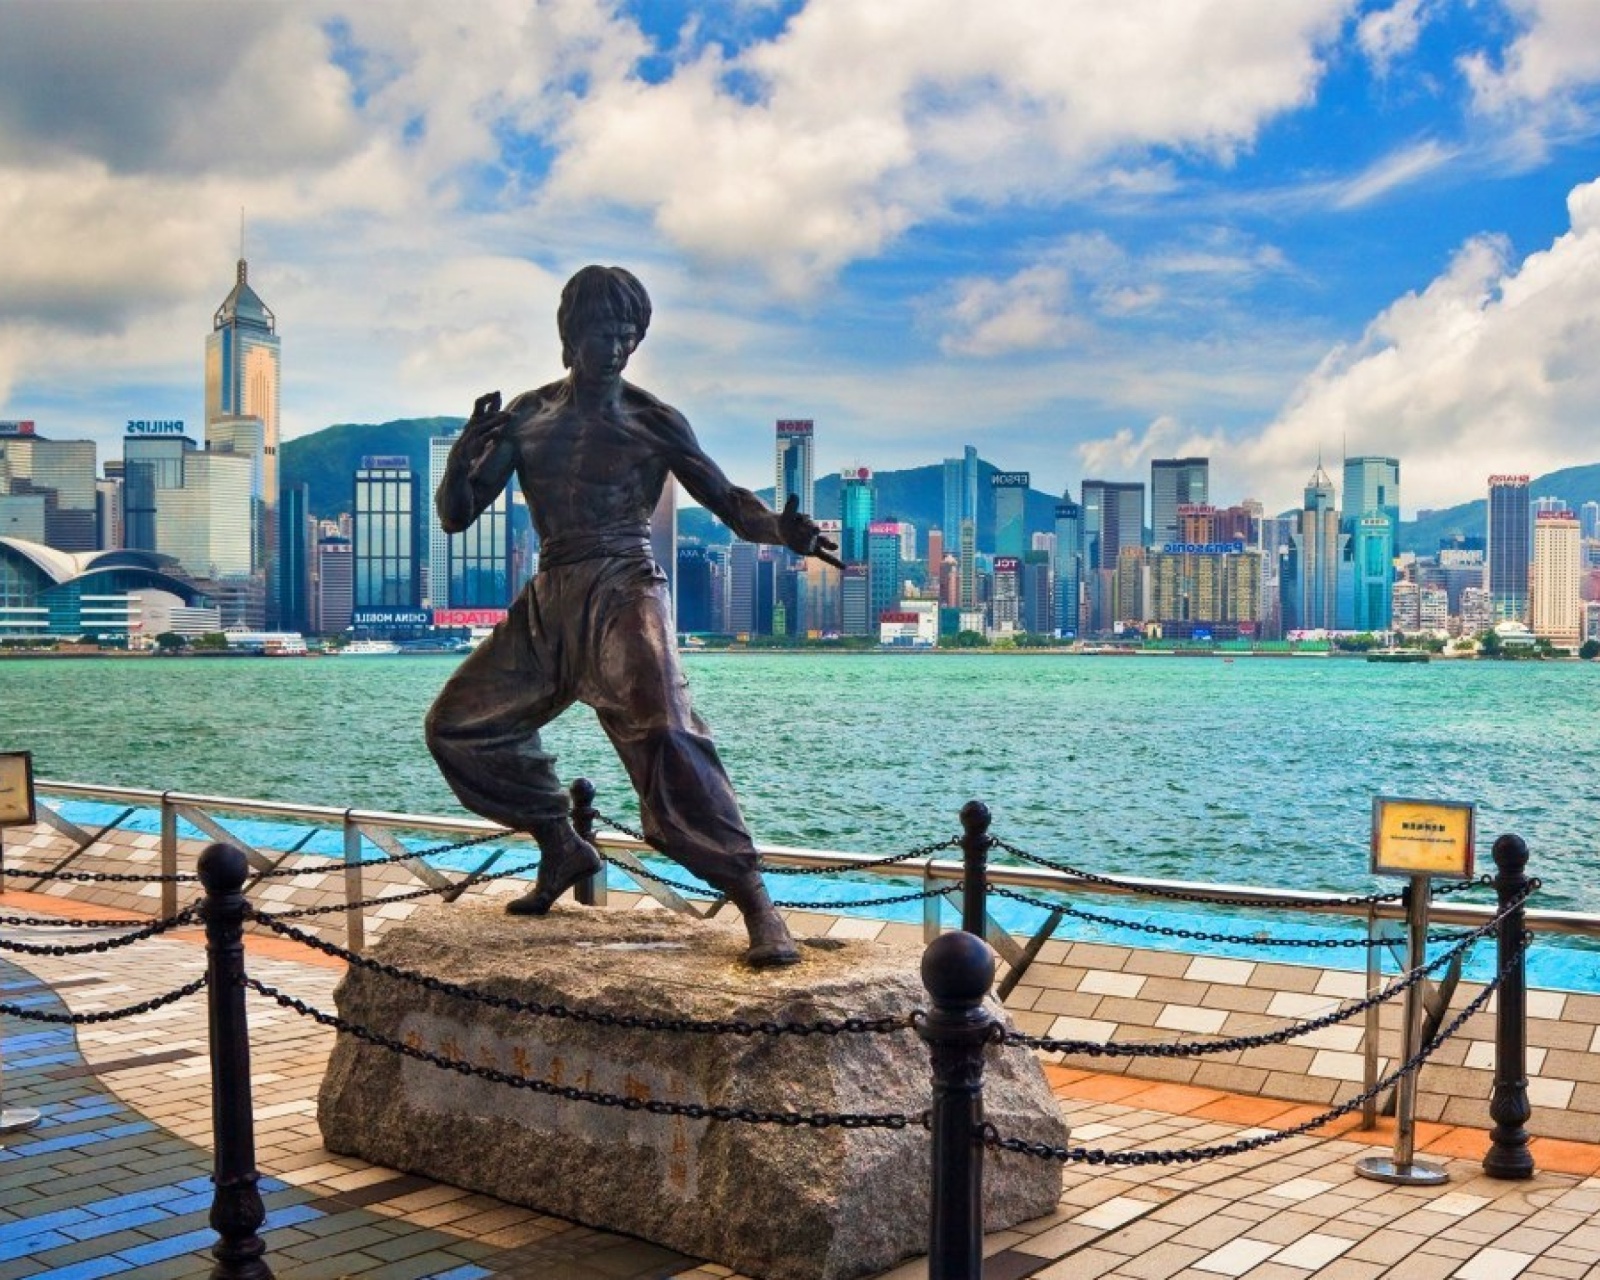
[[1417, 839], [16, 810]]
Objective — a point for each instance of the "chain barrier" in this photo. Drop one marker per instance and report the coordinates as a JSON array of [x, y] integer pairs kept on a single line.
[[107, 1015], [185, 917], [1198, 935], [1250, 900], [992, 1139], [333, 867], [467, 882], [625, 1021], [655, 1107], [1398, 986]]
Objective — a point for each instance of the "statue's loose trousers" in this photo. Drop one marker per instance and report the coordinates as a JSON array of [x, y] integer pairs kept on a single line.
[[595, 630]]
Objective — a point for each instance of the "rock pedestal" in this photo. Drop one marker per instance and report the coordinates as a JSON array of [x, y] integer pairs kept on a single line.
[[784, 1203]]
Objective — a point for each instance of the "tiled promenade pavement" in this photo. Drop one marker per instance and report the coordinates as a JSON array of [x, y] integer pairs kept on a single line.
[[114, 1180]]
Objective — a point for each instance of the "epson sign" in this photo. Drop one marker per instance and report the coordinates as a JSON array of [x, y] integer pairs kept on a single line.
[[1011, 479], [155, 427]]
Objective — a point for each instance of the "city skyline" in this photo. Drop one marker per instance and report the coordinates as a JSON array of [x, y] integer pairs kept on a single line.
[[1263, 234]]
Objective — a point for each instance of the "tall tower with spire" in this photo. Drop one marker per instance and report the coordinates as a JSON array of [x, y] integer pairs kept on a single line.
[[242, 356]]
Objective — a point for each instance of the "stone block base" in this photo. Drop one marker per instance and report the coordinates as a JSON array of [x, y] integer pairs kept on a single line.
[[789, 1204]]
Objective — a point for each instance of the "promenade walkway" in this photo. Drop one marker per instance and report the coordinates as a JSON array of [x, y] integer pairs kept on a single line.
[[114, 1181]]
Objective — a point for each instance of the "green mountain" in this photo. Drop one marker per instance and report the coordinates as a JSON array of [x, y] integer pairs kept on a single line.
[[1573, 485], [326, 460]]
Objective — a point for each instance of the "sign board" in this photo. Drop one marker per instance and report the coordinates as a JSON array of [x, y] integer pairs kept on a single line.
[[155, 427], [390, 618], [1422, 837], [16, 427], [1011, 479], [16, 789], [468, 617]]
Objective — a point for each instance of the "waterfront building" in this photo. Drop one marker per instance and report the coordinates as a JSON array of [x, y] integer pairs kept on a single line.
[[49, 593], [470, 569], [1405, 607], [61, 475], [1205, 589], [296, 554], [1370, 520], [742, 588], [960, 494], [854, 602], [1589, 521], [241, 368], [1175, 483], [794, 463], [935, 561], [151, 461], [1555, 604], [1462, 562], [1509, 552], [204, 521], [912, 624], [884, 578], [967, 565], [1433, 610], [108, 512], [820, 599], [1477, 610], [1068, 566], [386, 543], [694, 588], [1113, 519], [1006, 606], [22, 515], [908, 540], [857, 509], [1309, 573], [1130, 603], [334, 597], [1038, 594], [1591, 619], [1010, 512]]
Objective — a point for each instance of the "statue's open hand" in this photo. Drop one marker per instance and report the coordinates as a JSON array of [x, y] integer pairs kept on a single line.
[[481, 435], [801, 535]]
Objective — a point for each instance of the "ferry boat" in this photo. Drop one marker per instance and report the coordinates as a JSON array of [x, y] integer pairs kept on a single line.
[[369, 648], [1398, 655]]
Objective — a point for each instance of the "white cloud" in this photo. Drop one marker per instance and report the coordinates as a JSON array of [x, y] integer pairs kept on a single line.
[[1397, 169], [1488, 369], [1387, 35], [1557, 52], [866, 118]]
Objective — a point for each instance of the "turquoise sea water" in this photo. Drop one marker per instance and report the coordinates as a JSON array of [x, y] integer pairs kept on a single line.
[[1258, 771]]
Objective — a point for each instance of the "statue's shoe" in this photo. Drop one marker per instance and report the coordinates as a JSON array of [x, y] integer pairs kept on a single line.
[[566, 859], [771, 944]]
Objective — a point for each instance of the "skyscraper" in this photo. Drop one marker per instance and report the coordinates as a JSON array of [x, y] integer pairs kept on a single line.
[[1371, 520], [1010, 512], [61, 474], [883, 569], [296, 544], [1556, 606], [470, 569], [1068, 566], [386, 528], [960, 494], [242, 359], [794, 465], [1509, 552], [857, 507], [152, 460], [1174, 483], [1113, 522], [1309, 578]]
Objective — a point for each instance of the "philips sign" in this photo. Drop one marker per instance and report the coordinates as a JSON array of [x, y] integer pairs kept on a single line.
[[1202, 548], [155, 426]]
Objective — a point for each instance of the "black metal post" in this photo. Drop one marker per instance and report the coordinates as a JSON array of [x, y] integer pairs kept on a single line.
[[1508, 1156], [236, 1209], [957, 970], [583, 816], [975, 842]]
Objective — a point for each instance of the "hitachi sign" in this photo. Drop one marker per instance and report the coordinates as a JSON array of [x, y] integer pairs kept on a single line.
[[155, 427]]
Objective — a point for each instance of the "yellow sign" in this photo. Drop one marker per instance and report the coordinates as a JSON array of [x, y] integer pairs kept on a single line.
[[16, 789], [1422, 838]]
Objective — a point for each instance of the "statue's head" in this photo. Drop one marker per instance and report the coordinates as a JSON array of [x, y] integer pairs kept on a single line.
[[600, 294]]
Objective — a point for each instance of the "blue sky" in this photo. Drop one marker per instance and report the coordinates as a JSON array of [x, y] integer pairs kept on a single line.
[[1076, 235]]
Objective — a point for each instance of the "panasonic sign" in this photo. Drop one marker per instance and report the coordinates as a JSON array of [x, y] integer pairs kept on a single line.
[[1202, 548]]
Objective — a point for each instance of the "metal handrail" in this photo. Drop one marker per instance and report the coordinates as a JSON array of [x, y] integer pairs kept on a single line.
[[1581, 924]]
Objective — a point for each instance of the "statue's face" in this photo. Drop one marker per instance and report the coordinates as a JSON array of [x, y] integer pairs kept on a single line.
[[601, 351]]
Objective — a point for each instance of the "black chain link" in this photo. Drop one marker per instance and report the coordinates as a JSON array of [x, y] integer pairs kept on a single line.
[[652, 1106], [184, 917], [626, 1021], [1194, 1155], [1251, 900], [107, 1015], [1195, 1049], [1198, 935]]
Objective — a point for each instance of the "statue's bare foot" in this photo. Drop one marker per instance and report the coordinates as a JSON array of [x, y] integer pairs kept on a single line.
[[565, 858], [771, 944]]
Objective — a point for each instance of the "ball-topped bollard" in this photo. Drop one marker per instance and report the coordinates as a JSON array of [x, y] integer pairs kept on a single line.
[[975, 842], [957, 970]]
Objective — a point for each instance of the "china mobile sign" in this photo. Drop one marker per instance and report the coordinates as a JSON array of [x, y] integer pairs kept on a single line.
[[468, 617]]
